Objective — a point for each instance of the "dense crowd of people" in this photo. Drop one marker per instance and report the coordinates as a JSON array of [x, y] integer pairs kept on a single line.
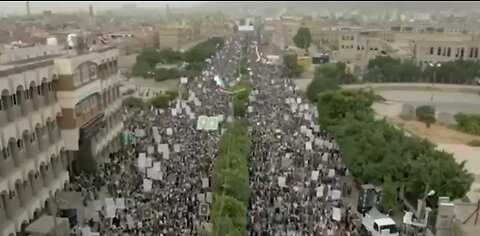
[[295, 170], [295, 166]]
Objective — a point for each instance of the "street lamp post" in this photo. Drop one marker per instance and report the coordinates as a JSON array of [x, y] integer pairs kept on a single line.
[[434, 66]]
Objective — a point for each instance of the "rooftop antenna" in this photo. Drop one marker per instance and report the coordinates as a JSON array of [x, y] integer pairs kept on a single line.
[[28, 7]]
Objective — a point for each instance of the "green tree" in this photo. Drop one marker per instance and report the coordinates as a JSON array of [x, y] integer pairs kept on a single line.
[[389, 196], [303, 38], [161, 101], [426, 114], [291, 62], [141, 68], [373, 149], [133, 102], [468, 123], [172, 93]]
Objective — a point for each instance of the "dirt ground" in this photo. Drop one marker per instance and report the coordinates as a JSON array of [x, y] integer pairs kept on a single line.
[[436, 133]]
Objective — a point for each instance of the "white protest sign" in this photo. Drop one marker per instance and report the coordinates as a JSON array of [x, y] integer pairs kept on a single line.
[[336, 214], [169, 131], [148, 162], [174, 111], [331, 173], [157, 165], [303, 129], [150, 150], [336, 194], [205, 183], [209, 197], [183, 80], [176, 147], [319, 191], [139, 133], [299, 100], [282, 181], [315, 174], [147, 185], [120, 203], [325, 157], [308, 146]]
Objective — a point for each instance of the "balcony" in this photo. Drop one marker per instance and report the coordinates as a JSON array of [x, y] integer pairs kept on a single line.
[[14, 112], [27, 107], [38, 102], [32, 149], [3, 118], [36, 182], [11, 203], [7, 165], [44, 143]]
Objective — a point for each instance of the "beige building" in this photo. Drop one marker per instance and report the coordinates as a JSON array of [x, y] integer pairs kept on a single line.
[[435, 49], [356, 49], [57, 115]]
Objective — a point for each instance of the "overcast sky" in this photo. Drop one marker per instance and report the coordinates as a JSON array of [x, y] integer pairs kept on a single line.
[[7, 7]]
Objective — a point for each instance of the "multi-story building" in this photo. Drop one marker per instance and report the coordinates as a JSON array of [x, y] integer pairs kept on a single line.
[[89, 94], [33, 158], [58, 114], [444, 48]]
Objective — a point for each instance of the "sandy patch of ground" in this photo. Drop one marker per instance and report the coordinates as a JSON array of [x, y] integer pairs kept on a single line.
[[436, 133]]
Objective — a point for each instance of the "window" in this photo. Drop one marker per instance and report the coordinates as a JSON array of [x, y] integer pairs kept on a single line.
[[14, 99], [85, 73], [462, 52], [33, 137], [439, 51], [358, 48], [19, 144], [343, 46], [39, 88], [93, 71], [6, 152], [77, 78], [27, 94], [449, 50], [471, 53], [476, 53], [376, 49]]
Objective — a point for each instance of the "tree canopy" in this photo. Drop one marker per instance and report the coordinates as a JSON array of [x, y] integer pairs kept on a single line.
[[291, 62], [468, 123], [426, 114], [230, 181], [303, 38], [146, 62], [385, 69], [376, 152]]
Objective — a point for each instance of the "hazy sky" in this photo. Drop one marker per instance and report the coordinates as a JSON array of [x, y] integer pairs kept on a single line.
[[7, 7]]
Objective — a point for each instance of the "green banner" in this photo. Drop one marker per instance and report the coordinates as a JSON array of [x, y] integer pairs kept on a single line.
[[127, 138]]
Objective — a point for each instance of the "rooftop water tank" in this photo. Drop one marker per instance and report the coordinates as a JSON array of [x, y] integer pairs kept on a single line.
[[52, 41]]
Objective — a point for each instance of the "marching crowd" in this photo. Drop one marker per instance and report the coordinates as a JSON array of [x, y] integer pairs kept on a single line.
[[295, 170], [295, 166]]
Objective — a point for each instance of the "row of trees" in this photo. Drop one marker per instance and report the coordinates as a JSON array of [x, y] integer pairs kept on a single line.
[[240, 98], [328, 77], [378, 153], [230, 181], [388, 69], [161, 101], [146, 62]]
